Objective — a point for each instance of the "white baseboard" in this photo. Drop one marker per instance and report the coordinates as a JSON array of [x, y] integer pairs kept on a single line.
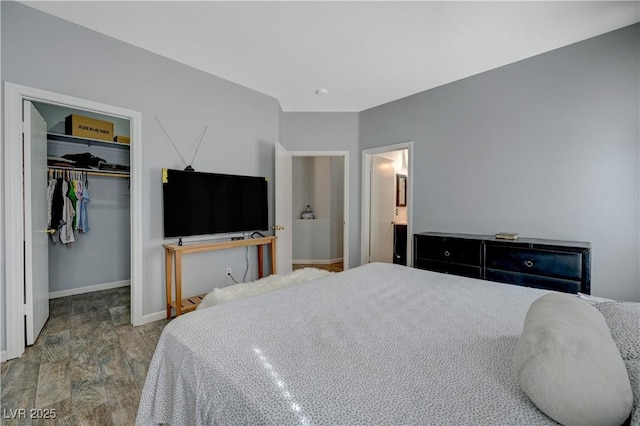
[[89, 289], [317, 262], [3, 356], [156, 316]]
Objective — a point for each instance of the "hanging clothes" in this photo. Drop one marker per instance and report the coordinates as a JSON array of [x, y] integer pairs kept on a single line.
[[68, 213], [51, 186], [57, 206], [83, 221], [79, 190], [67, 202], [71, 194]]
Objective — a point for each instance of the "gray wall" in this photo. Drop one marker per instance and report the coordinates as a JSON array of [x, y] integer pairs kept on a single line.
[[303, 184], [330, 131], [42, 51], [311, 240], [547, 147]]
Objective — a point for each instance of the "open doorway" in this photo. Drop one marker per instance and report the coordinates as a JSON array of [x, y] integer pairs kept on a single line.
[[284, 206], [387, 204], [318, 212]]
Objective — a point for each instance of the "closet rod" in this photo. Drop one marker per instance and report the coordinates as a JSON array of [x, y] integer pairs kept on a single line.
[[108, 174], [91, 172]]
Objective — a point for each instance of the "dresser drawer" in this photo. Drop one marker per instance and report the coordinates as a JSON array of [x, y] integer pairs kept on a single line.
[[450, 268], [532, 262], [467, 252], [550, 263], [536, 281]]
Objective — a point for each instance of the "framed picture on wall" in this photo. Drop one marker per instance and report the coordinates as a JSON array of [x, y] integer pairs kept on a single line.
[[401, 190]]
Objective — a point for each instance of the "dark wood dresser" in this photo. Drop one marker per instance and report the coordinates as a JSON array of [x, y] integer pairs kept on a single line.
[[549, 264]]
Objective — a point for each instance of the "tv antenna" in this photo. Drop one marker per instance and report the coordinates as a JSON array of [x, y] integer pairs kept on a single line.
[[187, 166]]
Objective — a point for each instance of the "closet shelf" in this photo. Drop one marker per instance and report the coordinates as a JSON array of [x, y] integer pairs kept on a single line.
[[93, 172], [97, 142]]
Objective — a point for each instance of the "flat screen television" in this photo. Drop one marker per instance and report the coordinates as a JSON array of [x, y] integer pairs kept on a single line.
[[196, 203]]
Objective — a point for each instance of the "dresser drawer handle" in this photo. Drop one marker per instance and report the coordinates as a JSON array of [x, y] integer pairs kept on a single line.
[[447, 253], [528, 263]]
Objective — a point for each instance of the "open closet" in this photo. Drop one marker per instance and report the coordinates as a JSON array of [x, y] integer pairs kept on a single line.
[[86, 197]]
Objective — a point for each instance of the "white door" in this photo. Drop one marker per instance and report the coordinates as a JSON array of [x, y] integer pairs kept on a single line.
[[383, 206], [284, 217], [36, 255]]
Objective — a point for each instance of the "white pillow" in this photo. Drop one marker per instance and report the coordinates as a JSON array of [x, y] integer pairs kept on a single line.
[[568, 364]]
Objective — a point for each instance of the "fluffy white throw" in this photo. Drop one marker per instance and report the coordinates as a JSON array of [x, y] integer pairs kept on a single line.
[[272, 282]]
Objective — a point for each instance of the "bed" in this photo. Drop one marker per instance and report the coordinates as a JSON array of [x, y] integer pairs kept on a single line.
[[378, 344]]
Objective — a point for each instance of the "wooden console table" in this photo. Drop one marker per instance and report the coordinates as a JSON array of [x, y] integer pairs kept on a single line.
[[173, 256]]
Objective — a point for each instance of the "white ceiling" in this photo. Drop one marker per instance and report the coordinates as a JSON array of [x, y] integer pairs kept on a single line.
[[364, 53]]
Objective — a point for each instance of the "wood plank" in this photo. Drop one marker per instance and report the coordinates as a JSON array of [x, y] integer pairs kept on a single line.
[[189, 304], [273, 258], [219, 245], [260, 262], [168, 264], [178, 257]]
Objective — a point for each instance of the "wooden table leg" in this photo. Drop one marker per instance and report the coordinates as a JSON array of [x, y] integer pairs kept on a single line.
[[273, 257], [260, 261], [178, 284], [168, 263]]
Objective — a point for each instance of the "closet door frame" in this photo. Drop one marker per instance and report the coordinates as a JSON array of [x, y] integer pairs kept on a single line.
[[13, 256]]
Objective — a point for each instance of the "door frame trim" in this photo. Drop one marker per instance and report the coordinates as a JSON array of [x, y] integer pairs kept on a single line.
[[345, 203], [365, 206], [13, 258]]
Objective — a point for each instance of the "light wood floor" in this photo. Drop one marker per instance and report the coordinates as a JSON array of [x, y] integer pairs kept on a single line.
[[88, 364], [332, 267]]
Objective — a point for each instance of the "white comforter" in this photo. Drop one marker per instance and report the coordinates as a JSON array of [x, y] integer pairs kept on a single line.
[[379, 344]]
